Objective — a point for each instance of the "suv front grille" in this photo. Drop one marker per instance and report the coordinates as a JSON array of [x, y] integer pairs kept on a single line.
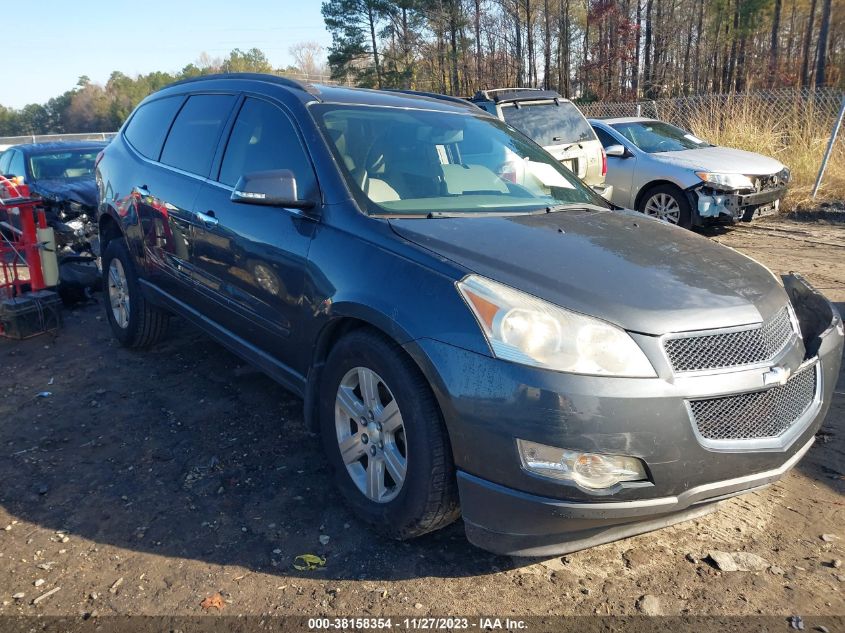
[[721, 350], [756, 415]]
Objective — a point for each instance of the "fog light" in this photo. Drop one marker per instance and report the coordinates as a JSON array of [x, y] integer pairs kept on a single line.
[[590, 470]]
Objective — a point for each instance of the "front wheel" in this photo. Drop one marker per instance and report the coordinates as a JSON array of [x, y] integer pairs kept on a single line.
[[668, 203], [385, 438]]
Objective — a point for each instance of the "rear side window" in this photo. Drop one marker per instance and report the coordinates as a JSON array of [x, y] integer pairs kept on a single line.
[[263, 138], [149, 125], [193, 137], [550, 124]]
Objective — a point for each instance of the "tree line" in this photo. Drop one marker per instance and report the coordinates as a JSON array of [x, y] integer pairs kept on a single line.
[[91, 107], [585, 49], [589, 49]]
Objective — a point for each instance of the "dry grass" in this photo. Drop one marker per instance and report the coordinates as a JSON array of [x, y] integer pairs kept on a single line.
[[792, 131]]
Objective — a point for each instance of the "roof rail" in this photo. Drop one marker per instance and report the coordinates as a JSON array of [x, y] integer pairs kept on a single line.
[[501, 95], [432, 95], [276, 79]]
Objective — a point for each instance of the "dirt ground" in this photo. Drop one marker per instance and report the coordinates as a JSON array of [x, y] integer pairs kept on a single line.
[[149, 481]]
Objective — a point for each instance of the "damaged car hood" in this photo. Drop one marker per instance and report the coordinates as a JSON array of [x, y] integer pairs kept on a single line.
[[721, 160], [81, 190], [641, 274]]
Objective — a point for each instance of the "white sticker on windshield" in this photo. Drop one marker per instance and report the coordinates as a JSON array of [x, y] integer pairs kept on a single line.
[[694, 139], [548, 175]]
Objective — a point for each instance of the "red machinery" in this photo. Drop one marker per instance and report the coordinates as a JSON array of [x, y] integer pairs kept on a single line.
[[19, 215], [26, 307]]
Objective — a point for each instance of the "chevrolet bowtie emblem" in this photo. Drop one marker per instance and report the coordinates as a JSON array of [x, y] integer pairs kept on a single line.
[[776, 376]]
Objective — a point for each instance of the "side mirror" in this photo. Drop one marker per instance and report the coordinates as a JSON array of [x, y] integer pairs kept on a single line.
[[617, 150], [275, 188]]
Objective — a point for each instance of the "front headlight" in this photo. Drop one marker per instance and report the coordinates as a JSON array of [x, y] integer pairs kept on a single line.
[[731, 181], [527, 330]]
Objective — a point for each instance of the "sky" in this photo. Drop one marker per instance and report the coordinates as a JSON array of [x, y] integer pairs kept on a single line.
[[61, 40]]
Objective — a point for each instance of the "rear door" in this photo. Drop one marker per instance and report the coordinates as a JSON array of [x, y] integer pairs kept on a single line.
[[249, 260], [562, 131]]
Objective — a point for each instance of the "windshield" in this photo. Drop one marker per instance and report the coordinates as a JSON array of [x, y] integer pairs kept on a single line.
[[418, 162], [63, 165], [549, 123], [654, 137]]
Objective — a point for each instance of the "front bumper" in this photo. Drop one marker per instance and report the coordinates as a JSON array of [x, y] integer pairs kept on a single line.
[[488, 403], [710, 203], [507, 521]]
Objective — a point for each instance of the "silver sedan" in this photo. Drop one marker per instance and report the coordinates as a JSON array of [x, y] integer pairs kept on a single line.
[[669, 173]]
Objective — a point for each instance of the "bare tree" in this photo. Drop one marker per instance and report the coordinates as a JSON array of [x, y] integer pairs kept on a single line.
[[309, 58]]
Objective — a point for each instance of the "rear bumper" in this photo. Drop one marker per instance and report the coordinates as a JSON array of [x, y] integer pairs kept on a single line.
[[507, 521], [604, 190]]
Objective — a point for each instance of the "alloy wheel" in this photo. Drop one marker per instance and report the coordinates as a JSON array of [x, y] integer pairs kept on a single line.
[[371, 434], [664, 207], [119, 293]]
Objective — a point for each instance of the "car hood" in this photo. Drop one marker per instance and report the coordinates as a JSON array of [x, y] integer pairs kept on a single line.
[[723, 160], [641, 274], [81, 190]]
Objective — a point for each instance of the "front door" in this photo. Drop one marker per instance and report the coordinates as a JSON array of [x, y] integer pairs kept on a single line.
[[249, 261], [620, 171]]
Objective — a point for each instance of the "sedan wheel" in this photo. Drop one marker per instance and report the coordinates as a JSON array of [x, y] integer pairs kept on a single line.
[[119, 293], [371, 434], [663, 206]]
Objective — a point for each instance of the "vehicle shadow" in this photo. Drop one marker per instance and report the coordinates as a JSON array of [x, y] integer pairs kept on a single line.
[[184, 451]]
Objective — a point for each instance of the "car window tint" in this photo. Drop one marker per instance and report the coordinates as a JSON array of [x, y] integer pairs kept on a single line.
[[149, 125], [263, 138], [5, 159], [16, 166], [606, 139], [550, 124], [193, 137]]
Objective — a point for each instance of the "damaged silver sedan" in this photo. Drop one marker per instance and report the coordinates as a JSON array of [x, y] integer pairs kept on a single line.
[[666, 172]]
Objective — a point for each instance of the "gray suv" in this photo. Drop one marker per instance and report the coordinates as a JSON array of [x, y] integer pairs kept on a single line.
[[513, 352]]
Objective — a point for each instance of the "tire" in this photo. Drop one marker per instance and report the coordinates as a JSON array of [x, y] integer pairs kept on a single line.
[[142, 324], [659, 197], [427, 498]]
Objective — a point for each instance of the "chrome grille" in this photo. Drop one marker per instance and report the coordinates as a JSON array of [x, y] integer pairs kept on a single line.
[[720, 350], [760, 414]]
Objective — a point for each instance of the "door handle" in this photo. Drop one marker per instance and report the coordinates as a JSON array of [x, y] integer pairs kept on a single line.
[[208, 218]]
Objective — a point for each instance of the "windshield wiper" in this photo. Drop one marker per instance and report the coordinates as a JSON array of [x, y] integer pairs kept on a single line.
[[574, 206], [479, 214]]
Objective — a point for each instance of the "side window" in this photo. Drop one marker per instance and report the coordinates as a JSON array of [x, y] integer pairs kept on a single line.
[[5, 159], [193, 137], [606, 139], [16, 165], [149, 125], [263, 138]]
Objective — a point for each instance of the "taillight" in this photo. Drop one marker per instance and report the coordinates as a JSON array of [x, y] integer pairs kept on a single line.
[[603, 162]]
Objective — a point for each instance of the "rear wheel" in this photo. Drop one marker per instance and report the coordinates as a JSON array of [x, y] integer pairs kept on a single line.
[[134, 321], [667, 202], [385, 438]]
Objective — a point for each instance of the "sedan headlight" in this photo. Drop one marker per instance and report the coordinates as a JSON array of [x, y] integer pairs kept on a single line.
[[730, 181], [524, 329]]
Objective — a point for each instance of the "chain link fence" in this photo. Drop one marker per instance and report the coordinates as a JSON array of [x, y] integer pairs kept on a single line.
[[780, 105]]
